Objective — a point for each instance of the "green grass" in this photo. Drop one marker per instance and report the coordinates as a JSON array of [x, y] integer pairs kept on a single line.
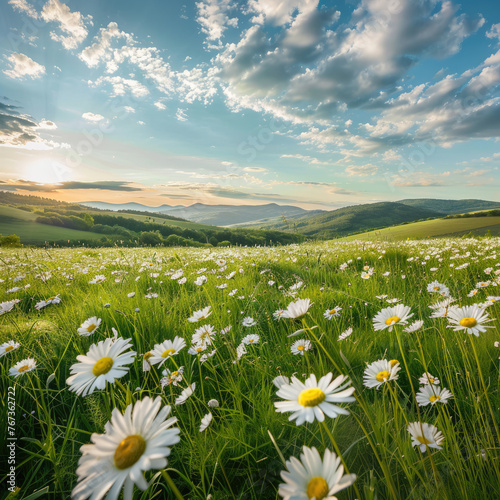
[[239, 455], [433, 228], [22, 223]]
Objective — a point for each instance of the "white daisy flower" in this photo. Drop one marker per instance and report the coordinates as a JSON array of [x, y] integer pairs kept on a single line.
[[25, 366], [277, 315], [137, 441], [8, 346], [391, 316], [311, 400], [300, 346], [311, 477], [146, 365], [171, 377], [472, 319], [330, 313], [200, 315], [185, 394], [428, 379], [105, 362], [7, 306], [436, 287], [281, 380], [89, 326], [432, 394], [416, 325], [381, 371], [161, 352], [213, 403], [248, 322], [205, 421], [203, 335], [297, 309], [45, 303], [345, 334], [425, 435], [250, 339]]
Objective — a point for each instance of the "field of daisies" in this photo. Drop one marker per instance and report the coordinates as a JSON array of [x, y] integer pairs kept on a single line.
[[317, 371]]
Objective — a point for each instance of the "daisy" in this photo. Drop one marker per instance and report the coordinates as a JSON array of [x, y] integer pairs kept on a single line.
[[297, 309], [425, 435], [171, 377], [205, 421], [248, 322], [45, 303], [310, 401], [312, 477], [146, 365], [185, 394], [200, 315], [300, 346], [277, 315], [416, 325], [330, 313], [379, 372], [213, 403], [8, 347], [105, 362], [5, 307], [391, 316], [428, 379], [345, 334], [137, 441], [436, 287], [24, 366], [197, 348], [89, 326], [203, 335], [472, 319], [280, 380], [161, 352], [250, 339], [432, 394]]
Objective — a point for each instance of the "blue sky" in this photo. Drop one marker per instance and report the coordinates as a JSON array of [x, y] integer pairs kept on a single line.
[[298, 102]]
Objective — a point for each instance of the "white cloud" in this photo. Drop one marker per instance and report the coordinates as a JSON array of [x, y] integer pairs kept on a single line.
[[72, 24], [92, 117], [160, 105], [279, 13], [214, 19], [25, 7], [129, 109], [308, 159], [47, 125], [122, 85], [181, 115], [361, 170], [22, 66]]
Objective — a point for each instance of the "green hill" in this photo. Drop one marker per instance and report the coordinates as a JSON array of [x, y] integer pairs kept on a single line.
[[449, 207], [348, 220], [437, 228]]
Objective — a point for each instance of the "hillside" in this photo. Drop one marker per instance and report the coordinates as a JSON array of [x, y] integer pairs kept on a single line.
[[437, 228], [449, 207], [348, 220], [102, 205]]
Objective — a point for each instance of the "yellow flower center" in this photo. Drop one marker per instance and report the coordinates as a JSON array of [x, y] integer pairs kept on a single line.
[[91, 328], [147, 355], [168, 353], [382, 376], [23, 368], [436, 288], [129, 451], [423, 440], [431, 380], [392, 319], [434, 398], [174, 374], [199, 349], [300, 348], [9, 348], [103, 366], [251, 340], [317, 488], [311, 397], [333, 311], [393, 362], [468, 322]]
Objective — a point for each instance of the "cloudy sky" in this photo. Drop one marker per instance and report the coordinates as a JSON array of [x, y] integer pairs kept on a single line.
[[305, 102]]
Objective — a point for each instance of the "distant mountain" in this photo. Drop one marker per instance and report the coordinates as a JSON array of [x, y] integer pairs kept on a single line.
[[450, 207], [357, 218], [102, 205], [226, 215]]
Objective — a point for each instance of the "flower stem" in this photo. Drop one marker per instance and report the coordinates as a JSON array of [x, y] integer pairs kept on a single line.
[[167, 478]]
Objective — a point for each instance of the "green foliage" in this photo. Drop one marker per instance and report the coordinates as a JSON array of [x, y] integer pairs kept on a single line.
[[12, 241]]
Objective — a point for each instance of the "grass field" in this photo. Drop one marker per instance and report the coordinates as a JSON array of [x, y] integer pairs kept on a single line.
[[479, 226], [233, 354], [22, 223]]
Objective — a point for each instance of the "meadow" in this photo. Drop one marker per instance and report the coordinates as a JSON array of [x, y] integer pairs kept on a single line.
[[401, 400]]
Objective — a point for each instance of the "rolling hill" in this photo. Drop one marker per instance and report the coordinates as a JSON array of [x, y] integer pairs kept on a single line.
[[348, 220], [450, 207]]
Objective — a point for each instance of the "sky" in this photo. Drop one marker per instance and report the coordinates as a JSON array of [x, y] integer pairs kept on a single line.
[[298, 102]]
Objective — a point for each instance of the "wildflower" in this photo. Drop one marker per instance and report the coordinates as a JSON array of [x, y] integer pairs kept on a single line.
[[428, 379], [297, 309], [205, 421], [104, 362], [250, 339], [311, 400], [300, 346], [345, 334], [391, 316], [416, 325], [432, 394], [281, 380], [161, 352], [379, 372], [425, 435], [45, 303], [248, 322], [203, 335], [330, 313], [171, 377], [25, 366], [7, 306], [137, 441], [313, 477], [8, 346], [200, 315], [472, 319], [185, 394], [213, 403], [89, 326]]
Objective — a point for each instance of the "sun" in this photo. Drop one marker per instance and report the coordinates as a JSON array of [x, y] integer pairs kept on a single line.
[[48, 171]]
